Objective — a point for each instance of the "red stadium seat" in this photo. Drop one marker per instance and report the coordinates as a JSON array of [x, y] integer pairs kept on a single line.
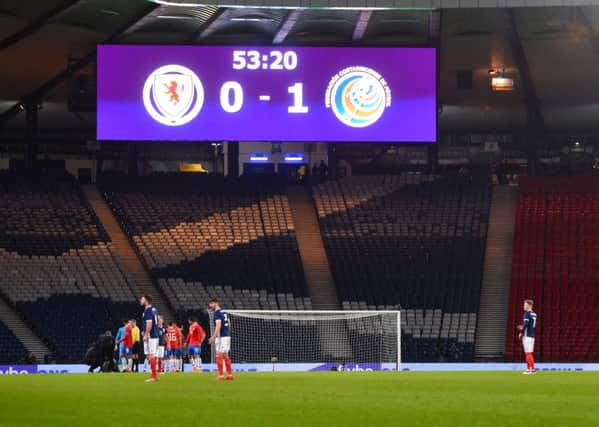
[[554, 256]]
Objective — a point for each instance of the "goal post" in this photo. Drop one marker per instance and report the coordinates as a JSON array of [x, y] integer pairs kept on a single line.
[[329, 339]]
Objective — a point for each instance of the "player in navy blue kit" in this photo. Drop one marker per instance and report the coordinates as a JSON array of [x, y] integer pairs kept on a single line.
[[221, 338], [527, 335], [161, 336], [151, 333]]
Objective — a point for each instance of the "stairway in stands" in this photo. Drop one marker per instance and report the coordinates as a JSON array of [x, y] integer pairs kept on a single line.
[[311, 247], [495, 292], [18, 327], [133, 269]]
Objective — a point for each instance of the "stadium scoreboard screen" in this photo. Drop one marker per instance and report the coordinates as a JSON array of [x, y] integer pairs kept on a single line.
[[326, 94]]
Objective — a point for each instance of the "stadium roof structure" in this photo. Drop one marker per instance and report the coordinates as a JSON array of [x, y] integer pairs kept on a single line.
[[551, 52], [376, 4]]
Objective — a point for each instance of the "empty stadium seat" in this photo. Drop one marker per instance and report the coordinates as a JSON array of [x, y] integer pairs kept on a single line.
[[12, 349], [410, 241], [209, 236], [57, 264], [554, 261]]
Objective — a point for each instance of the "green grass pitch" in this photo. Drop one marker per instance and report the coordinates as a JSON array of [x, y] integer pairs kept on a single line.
[[303, 399]]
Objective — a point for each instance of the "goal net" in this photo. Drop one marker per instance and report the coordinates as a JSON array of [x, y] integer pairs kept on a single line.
[[335, 339]]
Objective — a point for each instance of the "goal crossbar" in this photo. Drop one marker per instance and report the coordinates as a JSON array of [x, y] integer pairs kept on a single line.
[[368, 312]]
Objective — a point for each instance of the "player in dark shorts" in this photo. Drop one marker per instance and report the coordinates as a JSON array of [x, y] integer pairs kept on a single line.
[[136, 352]]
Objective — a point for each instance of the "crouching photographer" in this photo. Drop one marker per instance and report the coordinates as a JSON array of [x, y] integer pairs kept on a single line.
[[101, 354]]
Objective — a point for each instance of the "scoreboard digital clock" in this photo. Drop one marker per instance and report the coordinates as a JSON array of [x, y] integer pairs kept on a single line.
[[208, 93]]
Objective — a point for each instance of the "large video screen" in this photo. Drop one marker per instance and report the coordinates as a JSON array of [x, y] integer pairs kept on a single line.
[[220, 93]]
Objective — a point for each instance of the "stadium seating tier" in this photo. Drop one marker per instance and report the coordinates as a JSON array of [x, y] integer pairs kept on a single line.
[[208, 236], [554, 262], [415, 242], [58, 266], [12, 349]]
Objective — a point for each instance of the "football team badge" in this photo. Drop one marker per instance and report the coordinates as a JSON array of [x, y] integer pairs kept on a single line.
[[173, 95], [358, 96]]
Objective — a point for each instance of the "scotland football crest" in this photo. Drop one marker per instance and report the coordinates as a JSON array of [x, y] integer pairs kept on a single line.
[[173, 95], [358, 96]]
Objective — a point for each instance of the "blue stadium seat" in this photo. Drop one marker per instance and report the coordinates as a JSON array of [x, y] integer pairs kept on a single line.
[[12, 349], [410, 241], [57, 264]]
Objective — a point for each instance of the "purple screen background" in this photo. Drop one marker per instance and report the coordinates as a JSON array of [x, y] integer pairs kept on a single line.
[[409, 72]]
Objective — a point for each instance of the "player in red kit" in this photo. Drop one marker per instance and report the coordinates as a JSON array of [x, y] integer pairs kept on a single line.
[[180, 360], [126, 346], [173, 341], [194, 340]]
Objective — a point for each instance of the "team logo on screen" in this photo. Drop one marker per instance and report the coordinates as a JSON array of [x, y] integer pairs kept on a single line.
[[358, 96], [173, 95]]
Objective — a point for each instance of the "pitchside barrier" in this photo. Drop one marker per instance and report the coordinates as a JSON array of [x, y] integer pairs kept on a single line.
[[348, 368]]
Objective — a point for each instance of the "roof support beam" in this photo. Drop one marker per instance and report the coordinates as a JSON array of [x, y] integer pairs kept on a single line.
[[361, 25], [73, 67], [434, 40], [218, 13], [526, 81], [38, 23], [535, 122], [218, 19], [286, 27], [592, 33], [434, 28]]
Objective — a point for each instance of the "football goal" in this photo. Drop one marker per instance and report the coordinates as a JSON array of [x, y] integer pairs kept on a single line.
[[333, 339]]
